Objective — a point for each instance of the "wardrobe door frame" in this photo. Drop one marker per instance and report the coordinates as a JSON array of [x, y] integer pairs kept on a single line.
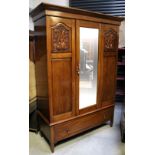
[[109, 65], [87, 24], [70, 54]]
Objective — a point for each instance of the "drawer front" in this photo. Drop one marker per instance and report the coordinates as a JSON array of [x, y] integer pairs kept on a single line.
[[80, 124]]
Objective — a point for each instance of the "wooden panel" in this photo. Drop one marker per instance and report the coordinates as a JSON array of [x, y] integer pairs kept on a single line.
[[61, 34], [87, 109], [109, 78], [61, 55], [77, 125], [62, 116], [62, 85], [44, 129], [42, 105], [41, 67], [61, 38], [110, 40]]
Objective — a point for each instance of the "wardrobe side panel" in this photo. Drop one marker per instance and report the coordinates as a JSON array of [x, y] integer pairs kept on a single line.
[[41, 67]]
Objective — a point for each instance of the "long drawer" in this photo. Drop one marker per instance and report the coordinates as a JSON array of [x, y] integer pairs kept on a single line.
[[80, 124]]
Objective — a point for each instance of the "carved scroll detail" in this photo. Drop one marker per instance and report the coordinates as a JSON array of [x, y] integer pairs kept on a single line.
[[61, 38], [110, 39]]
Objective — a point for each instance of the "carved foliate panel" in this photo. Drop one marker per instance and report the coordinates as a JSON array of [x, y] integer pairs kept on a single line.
[[61, 38], [110, 40]]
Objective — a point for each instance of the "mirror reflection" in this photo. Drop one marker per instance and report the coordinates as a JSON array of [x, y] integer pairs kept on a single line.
[[88, 66]]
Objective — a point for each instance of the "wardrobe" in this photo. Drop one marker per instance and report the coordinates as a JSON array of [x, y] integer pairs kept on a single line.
[[75, 65]]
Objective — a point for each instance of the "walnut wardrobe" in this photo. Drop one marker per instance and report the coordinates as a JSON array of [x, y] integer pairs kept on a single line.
[[75, 58]]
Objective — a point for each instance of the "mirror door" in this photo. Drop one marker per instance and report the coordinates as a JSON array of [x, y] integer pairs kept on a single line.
[[87, 65]]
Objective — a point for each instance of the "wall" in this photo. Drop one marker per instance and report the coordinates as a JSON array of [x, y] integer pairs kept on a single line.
[[32, 81], [122, 35], [34, 3]]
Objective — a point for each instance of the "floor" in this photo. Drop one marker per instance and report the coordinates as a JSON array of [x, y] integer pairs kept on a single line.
[[104, 140]]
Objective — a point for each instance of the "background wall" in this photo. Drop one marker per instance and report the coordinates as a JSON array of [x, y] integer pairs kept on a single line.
[[34, 3], [32, 81], [122, 35]]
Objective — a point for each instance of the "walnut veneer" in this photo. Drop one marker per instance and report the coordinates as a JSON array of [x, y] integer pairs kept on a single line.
[[57, 58]]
